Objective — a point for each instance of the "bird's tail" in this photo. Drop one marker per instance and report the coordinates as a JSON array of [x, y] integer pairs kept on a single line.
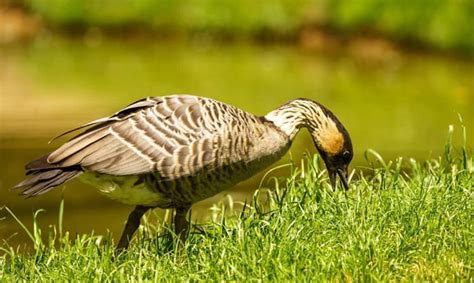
[[44, 176]]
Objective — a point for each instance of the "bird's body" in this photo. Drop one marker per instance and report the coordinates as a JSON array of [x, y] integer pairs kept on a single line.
[[228, 163], [173, 151]]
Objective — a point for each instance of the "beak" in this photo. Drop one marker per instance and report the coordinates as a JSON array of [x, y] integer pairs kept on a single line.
[[343, 175], [342, 172]]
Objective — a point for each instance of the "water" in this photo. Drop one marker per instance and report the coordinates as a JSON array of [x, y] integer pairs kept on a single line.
[[398, 104]]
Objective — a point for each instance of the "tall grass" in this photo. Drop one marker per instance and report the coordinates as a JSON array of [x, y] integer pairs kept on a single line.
[[401, 220]]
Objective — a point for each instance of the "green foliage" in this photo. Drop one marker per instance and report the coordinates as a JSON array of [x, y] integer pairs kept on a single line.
[[391, 225], [443, 24], [209, 15]]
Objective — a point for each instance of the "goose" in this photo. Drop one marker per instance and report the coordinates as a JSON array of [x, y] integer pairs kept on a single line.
[[173, 151]]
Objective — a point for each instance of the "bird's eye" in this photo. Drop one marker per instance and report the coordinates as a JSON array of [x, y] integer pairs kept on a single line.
[[346, 154]]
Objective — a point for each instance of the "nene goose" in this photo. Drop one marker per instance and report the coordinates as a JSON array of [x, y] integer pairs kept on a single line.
[[173, 151]]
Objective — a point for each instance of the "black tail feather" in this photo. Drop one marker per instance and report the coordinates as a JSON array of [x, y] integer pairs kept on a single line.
[[42, 181], [40, 164]]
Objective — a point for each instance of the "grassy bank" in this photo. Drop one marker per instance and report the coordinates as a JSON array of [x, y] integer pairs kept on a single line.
[[439, 24], [391, 225]]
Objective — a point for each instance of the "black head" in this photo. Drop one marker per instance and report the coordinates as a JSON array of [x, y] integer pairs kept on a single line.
[[338, 164], [331, 139]]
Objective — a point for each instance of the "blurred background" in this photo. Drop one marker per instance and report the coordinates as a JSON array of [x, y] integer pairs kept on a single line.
[[396, 73]]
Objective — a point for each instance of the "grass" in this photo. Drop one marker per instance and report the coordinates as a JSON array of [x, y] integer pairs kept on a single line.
[[402, 220]]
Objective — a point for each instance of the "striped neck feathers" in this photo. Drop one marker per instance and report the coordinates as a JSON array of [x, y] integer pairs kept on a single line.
[[326, 130]]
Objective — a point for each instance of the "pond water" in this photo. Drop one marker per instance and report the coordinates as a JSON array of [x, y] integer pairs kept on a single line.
[[398, 104]]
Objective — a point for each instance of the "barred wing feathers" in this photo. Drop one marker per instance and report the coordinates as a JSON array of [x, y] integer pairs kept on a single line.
[[173, 136]]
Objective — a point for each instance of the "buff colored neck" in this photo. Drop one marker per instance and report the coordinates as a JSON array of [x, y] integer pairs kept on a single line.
[[291, 117]]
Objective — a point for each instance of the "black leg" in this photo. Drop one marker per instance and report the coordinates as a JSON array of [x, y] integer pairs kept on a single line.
[[181, 225], [132, 225]]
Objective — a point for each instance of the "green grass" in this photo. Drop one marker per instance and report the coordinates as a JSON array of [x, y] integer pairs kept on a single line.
[[401, 220]]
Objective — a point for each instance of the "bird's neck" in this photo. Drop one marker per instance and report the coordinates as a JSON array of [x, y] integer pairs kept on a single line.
[[288, 118], [296, 114]]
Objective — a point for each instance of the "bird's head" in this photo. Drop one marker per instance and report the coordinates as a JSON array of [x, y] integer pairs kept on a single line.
[[337, 159], [329, 135], [332, 141]]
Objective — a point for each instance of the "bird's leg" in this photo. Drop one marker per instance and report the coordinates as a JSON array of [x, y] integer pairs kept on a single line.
[[181, 225], [132, 225]]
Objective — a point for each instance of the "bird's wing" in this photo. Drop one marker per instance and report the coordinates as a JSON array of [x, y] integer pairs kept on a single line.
[[173, 136]]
